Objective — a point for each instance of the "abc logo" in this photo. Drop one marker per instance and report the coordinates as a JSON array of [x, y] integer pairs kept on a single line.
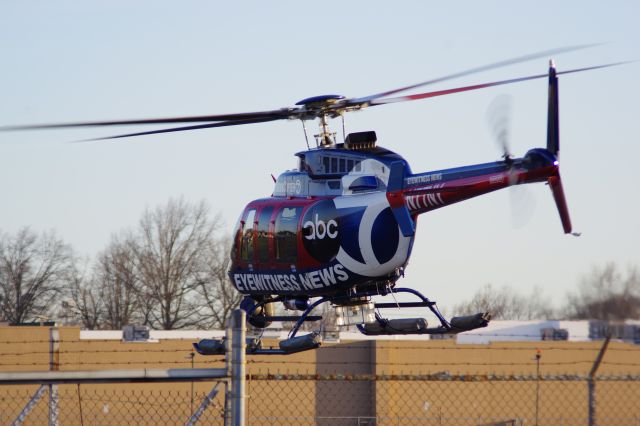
[[320, 231]]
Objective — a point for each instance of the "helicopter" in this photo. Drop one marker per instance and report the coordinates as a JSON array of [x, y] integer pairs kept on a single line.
[[339, 229]]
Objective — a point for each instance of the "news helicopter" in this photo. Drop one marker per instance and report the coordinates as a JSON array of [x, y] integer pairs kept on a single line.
[[339, 229]]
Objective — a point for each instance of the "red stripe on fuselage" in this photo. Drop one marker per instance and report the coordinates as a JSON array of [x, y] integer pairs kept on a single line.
[[430, 197]]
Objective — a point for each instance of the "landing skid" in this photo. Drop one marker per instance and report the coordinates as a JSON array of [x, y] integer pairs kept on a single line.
[[385, 327], [379, 327]]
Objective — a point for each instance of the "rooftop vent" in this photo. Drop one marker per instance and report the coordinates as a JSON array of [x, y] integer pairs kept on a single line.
[[361, 140]]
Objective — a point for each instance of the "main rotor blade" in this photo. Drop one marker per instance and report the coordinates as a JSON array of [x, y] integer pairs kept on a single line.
[[180, 129], [260, 115], [542, 54], [433, 94]]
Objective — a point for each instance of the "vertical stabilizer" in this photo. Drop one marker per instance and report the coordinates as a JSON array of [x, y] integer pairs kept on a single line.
[[553, 123], [553, 145]]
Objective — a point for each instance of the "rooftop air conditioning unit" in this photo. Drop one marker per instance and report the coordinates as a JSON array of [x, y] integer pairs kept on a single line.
[[135, 333]]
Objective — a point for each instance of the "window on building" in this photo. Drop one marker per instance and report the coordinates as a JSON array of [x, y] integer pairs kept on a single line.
[[285, 234]]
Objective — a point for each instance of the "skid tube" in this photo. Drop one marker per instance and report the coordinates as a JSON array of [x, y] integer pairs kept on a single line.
[[384, 326]]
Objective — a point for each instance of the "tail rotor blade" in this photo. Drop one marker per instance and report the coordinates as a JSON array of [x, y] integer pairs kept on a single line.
[[499, 120]]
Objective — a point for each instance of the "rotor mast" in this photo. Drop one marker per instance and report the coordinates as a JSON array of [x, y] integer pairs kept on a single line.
[[325, 138], [322, 107]]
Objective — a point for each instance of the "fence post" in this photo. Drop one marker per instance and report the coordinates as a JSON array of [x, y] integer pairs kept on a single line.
[[591, 381], [228, 333], [238, 366], [54, 365]]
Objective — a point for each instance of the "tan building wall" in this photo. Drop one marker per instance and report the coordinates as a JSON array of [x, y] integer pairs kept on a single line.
[[27, 349]]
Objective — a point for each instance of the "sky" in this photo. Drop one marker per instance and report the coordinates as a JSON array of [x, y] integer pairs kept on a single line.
[[74, 61]]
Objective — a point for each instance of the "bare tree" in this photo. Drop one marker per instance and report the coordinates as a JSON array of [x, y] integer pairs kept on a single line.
[[506, 304], [217, 295], [606, 294], [171, 255], [33, 271], [116, 275], [86, 305]]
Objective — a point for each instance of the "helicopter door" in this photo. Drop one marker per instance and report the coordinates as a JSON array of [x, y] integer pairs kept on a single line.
[[264, 236], [285, 233]]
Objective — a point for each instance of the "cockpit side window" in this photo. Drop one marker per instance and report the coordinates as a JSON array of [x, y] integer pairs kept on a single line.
[[264, 220], [246, 248], [237, 237], [286, 227]]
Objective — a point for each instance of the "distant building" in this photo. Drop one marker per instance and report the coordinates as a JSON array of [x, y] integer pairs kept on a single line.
[[497, 331]]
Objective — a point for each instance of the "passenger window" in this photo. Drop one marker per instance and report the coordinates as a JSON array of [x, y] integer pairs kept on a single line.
[[285, 233], [246, 249], [263, 234], [349, 165], [237, 236], [343, 165], [325, 163], [334, 165]]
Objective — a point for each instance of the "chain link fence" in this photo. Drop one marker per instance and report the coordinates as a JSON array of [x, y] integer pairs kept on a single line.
[[343, 399], [440, 400], [110, 405]]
